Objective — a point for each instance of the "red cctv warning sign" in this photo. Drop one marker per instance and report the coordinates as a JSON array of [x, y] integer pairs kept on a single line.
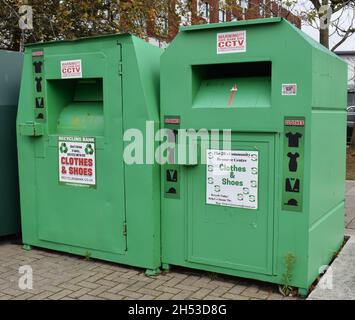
[[231, 42], [77, 160], [71, 69]]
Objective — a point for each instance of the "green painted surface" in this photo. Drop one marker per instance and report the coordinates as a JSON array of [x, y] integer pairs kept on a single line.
[[254, 243], [254, 93], [10, 75], [118, 219], [211, 229]]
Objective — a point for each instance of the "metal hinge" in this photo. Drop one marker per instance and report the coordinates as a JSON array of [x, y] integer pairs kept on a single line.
[[125, 229]]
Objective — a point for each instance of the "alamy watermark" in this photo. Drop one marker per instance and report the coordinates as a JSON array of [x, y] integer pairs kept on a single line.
[[25, 281], [326, 282], [25, 17], [169, 146], [325, 13]]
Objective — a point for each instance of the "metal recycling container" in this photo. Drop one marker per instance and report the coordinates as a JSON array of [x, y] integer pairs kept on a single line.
[[78, 195], [10, 76], [271, 207]]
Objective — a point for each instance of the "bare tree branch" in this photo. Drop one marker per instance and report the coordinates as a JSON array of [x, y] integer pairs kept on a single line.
[[346, 35], [316, 4]]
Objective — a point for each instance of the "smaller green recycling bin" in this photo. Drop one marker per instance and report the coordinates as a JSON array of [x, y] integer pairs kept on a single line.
[[78, 195], [10, 75]]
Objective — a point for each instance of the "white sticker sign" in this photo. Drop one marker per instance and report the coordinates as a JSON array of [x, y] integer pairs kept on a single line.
[[289, 89], [77, 160], [71, 69], [232, 178], [231, 42]]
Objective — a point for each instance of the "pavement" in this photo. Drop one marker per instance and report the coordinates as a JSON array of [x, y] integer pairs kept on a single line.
[[60, 276], [338, 282], [350, 205]]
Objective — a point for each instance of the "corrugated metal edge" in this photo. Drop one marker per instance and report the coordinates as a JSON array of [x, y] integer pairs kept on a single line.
[[230, 24], [113, 35]]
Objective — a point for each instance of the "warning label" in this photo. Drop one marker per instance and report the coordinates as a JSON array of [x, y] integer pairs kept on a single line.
[[71, 69], [77, 160], [232, 178], [231, 42]]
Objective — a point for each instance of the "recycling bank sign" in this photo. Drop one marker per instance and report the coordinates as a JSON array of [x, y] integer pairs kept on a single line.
[[77, 160]]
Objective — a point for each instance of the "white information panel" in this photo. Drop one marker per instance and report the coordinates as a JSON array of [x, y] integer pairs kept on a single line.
[[77, 160], [232, 178]]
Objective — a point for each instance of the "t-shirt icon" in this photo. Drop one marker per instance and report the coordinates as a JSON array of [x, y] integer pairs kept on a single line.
[[38, 66], [293, 161], [293, 139]]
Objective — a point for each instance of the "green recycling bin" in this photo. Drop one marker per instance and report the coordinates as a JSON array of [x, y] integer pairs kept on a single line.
[[270, 205], [78, 195], [10, 76]]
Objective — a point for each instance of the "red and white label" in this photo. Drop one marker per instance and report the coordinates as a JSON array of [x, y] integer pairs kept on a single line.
[[172, 121], [294, 123], [231, 42], [289, 89], [71, 69], [37, 53], [76, 157]]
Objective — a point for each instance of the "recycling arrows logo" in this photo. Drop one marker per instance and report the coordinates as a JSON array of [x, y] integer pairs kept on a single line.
[[63, 148], [89, 150]]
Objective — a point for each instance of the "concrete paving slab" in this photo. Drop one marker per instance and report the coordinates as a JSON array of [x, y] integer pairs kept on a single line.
[[350, 187], [338, 283], [350, 205], [350, 232]]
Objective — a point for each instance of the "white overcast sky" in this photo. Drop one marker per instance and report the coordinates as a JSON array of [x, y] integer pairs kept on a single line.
[[345, 19]]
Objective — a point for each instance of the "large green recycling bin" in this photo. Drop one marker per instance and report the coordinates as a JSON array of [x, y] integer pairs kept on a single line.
[[10, 76], [78, 195], [271, 206]]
